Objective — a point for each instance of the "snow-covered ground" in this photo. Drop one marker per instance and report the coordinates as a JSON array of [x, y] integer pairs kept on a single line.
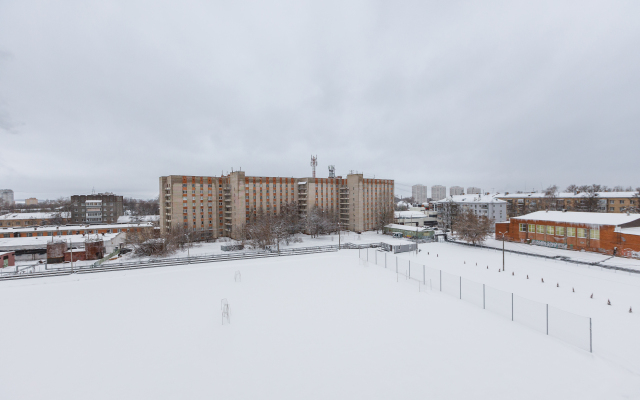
[[321, 326]]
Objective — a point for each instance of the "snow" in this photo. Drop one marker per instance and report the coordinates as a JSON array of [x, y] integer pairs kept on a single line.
[[321, 326], [406, 228], [575, 217], [569, 195], [353, 332], [33, 215], [40, 242], [629, 231], [409, 214], [53, 228], [127, 219], [473, 198]]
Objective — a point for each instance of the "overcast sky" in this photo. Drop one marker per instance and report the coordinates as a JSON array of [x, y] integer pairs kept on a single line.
[[500, 95]]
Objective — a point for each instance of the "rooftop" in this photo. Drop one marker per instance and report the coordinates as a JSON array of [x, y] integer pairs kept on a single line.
[[32, 215], [569, 195], [580, 217], [473, 198]]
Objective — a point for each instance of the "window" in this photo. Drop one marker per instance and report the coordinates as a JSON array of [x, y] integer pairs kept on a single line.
[[550, 230], [571, 232], [560, 230], [612, 201], [621, 201], [594, 234], [582, 233], [540, 228]]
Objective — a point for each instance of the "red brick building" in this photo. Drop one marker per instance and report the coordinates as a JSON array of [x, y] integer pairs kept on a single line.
[[7, 259], [615, 234]]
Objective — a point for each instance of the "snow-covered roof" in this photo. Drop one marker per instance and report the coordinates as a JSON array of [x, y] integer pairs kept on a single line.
[[127, 219], [32, 215], [406, 227], [568, 195], [473, 198], [70, 227], [409, 214], [580, 217], [40, 242], [629, 231]]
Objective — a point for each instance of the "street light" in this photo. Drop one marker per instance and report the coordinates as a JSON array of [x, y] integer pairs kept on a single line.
[[502, 234], [188, 243]]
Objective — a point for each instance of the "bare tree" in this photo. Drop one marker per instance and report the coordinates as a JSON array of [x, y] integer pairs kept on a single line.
[[383, 217], [449, 211], [471, 227]]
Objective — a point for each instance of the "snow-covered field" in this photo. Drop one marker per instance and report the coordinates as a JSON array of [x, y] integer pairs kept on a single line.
[[321, 326]]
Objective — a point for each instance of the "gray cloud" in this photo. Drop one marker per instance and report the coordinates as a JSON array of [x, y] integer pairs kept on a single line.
[[492, 95]]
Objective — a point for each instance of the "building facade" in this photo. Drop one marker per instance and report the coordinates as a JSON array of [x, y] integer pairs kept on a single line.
[[31, 201], [474, 190], [613, 234], [438, 192], [221, 206], [6, 195], [96, 208], [456, 191], [609, 202], [482, 205], [419, 193]]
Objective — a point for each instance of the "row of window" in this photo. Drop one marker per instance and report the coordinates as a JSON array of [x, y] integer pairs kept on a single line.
[[560, 231]]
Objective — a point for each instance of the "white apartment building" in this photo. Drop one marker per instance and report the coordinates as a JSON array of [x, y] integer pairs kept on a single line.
[[438, 192], [482, 205], [419, 193], [474, 190], [456, 191]]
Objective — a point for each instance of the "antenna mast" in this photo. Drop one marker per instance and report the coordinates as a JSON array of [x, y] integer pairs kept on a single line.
[[314, 164], [332, 171]]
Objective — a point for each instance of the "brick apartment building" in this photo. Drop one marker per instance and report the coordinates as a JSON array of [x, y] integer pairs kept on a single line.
[[609, 202], [101, 208], [221, 206], [615, 234]]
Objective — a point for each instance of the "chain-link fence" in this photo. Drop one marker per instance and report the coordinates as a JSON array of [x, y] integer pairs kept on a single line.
[[566, 326]]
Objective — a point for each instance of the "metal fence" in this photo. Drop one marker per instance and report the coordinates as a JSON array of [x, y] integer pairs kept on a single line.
[[566, 326], [43, 270]]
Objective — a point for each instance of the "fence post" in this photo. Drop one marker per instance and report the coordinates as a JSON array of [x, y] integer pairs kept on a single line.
[[385, 259], [441, 280], [483, 301], [460, 288], [376, 258], [511, 306], [424, 276], [409, 277], [547, 319], [367, 255], [590, 337]]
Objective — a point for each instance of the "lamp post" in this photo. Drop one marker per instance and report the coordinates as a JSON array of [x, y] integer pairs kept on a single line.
[[502, 234], [188, 243]]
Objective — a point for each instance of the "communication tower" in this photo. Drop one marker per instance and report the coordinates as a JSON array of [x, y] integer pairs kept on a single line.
[[314, 164], [332, 171]]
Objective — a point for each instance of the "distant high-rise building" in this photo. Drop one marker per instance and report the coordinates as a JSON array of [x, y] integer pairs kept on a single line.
[[7, 196], [438, 192], [456, 191], [419, 193], [474, 190]]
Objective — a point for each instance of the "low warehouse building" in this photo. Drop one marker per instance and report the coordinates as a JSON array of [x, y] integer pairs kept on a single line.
[[410, 231], [614, 234]]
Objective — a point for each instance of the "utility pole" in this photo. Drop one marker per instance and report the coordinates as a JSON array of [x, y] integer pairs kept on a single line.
[[502, 250]]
